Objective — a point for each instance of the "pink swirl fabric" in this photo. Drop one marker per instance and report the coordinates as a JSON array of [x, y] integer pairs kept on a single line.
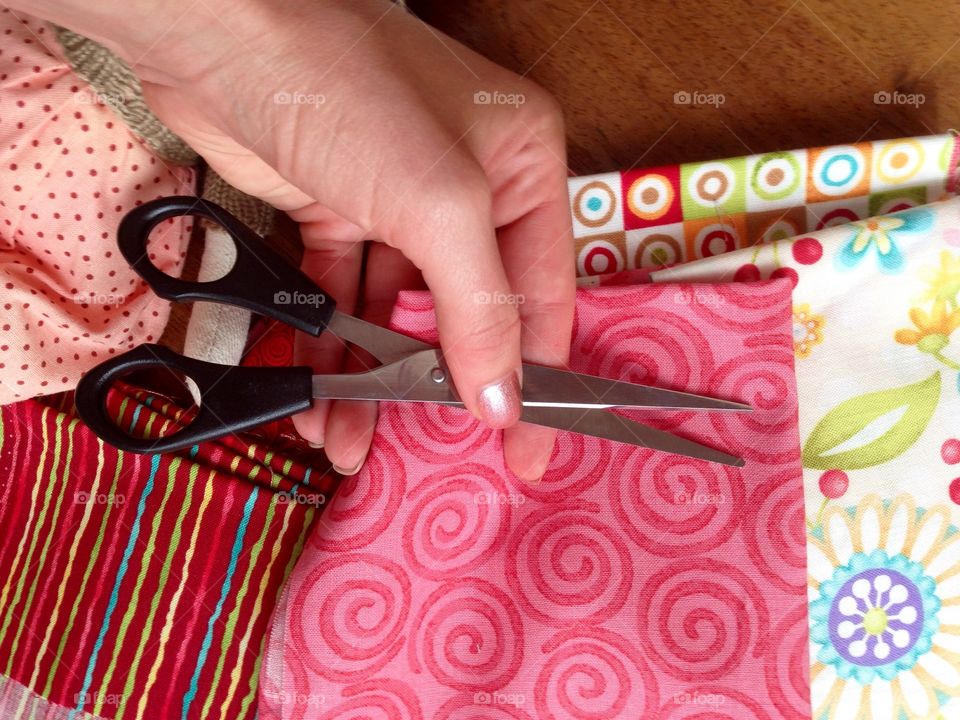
[[627, 584]]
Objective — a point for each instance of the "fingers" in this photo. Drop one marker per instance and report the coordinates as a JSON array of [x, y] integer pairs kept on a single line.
[[451, 238], [538, 255], [334, 264], [350, 425]]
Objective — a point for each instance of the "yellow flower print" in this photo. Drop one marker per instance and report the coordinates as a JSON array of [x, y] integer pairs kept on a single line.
[[807, 330], [875, 229], [933, 330], [944, 281]]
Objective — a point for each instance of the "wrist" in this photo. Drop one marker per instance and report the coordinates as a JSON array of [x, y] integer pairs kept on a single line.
[[167, 42]]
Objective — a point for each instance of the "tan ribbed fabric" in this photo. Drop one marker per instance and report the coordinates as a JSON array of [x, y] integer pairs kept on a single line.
[[116, 84], [118, 87], [255, 213]]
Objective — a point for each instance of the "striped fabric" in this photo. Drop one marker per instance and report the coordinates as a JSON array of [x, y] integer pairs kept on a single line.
[[135, 586]]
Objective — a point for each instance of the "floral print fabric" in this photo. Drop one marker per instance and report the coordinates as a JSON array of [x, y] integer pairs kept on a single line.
[[877, 343]]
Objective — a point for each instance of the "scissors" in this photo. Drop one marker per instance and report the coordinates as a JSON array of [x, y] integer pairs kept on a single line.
[[233, 399]]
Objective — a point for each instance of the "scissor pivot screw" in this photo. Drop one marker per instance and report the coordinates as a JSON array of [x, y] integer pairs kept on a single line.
[[437, 375]]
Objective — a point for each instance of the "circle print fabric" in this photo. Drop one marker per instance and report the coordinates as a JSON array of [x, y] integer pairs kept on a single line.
[[838, 172]]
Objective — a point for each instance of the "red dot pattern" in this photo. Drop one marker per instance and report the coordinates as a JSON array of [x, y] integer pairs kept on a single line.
[[69, 170]]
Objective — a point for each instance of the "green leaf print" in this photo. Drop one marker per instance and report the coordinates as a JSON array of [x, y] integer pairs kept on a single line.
[[838, 439]]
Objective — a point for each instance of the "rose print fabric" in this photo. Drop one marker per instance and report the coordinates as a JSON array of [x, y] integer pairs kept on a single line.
[[70, 172], [629, 583]]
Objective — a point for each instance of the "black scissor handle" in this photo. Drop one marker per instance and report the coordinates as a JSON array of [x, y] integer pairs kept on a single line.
[[232, 399], [260, 280]]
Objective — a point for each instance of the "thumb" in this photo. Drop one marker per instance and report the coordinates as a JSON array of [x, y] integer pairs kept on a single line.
[[456, 249]]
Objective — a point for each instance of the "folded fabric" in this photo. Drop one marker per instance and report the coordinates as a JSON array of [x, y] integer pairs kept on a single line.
[[629, 583], [71, 170], [654, 217], [137, 586], [877, 340]]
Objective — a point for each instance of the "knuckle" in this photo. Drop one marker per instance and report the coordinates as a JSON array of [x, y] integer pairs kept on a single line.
[[462, 188], [494, 334], [447, 203], [544, 109]]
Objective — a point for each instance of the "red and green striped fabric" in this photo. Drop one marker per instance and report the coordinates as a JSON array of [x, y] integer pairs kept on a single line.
[[136, 586]]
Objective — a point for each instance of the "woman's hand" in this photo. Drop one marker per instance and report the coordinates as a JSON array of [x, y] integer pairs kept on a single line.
[[363, 123]]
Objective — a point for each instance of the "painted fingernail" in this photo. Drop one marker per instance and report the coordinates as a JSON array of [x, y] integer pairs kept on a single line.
[[500, 402]]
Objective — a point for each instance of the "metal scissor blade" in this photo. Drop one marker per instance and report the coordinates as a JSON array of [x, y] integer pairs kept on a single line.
[[422, 377], [542, 385], [561, 388], [607, 426], [412, 380], [385, 345]]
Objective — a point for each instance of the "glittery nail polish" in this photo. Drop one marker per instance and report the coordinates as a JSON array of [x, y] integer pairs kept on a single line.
[[500, 402]]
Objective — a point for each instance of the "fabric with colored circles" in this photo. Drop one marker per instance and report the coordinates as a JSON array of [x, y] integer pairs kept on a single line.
[[661, 216], [71, 170], [629, 583]]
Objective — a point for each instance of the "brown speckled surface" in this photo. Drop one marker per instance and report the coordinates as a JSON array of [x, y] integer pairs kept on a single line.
[[794, 74]]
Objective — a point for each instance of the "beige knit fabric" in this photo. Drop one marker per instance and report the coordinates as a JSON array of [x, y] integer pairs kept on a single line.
[[118, 87], [116, 84]]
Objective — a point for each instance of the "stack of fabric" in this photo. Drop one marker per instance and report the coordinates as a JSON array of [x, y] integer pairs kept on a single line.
[[635, 585], [238, 580]]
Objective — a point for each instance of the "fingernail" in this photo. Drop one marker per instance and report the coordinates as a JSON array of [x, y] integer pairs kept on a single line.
[[500, 402], [351, 471], [315, 446], [535, 473]]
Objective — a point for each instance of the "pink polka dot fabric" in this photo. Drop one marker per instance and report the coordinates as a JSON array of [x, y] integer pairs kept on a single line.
[[70, 170], [628, 584]]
